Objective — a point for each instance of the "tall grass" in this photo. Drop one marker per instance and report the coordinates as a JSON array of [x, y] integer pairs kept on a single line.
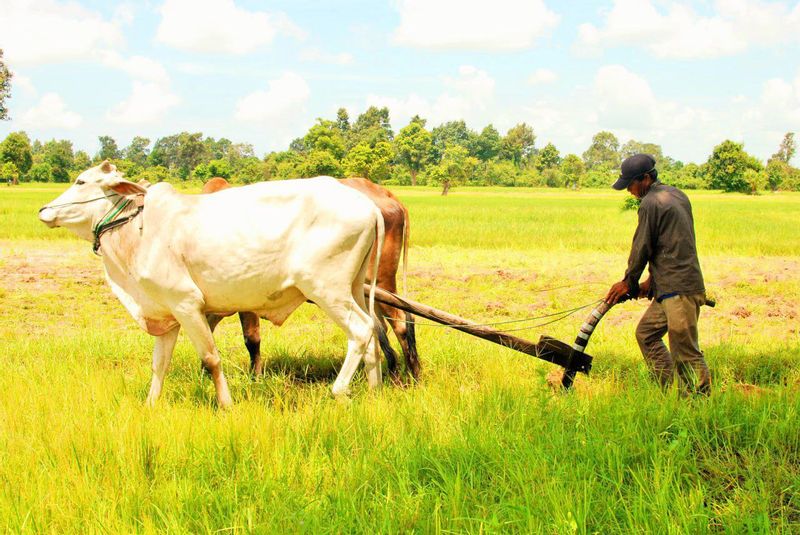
[[480, 445]]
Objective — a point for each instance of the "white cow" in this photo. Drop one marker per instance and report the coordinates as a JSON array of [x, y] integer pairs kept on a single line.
[[265, 247]]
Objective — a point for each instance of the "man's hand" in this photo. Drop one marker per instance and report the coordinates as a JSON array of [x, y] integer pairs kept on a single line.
[[617, 292], [644, 288]]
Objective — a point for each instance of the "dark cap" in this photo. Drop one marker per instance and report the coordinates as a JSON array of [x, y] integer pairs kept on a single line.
[[634, 167]]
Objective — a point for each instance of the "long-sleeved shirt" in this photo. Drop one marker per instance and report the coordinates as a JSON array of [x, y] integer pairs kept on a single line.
[[665, 239]]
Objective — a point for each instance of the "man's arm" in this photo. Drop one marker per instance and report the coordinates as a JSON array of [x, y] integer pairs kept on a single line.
[[641, 250]]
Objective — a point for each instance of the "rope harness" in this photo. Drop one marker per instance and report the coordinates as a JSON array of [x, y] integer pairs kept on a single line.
[[108, 222]]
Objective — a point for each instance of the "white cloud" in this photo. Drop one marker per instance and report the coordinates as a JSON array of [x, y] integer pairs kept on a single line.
[[50, 112], [219, 26], [50, 31], [467, 96], [146, 104], [284, 99], [542, 76], [24, 83], [677, 31], [473, 24], [319, 56], [137, 67]]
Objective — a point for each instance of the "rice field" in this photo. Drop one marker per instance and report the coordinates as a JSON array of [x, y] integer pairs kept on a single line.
[[481, 444]]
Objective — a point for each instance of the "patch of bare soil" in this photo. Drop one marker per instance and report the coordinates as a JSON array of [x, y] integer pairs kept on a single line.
[[48, 269]]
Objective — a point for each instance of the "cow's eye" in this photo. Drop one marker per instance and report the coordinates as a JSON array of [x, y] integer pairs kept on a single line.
[[80, 182]]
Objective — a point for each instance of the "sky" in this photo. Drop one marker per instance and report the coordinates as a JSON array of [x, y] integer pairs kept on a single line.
[[684, 74]]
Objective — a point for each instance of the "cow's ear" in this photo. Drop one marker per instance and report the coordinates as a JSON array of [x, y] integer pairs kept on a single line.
[[106, 167], [124, 187]]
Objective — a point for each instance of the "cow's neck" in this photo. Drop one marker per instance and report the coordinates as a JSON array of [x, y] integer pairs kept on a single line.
[[118, 246]]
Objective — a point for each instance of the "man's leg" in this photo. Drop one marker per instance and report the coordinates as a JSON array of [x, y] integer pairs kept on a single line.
[[649, 333], [682, 312]]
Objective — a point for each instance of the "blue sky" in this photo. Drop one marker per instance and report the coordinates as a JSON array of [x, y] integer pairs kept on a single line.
[[684, 74]]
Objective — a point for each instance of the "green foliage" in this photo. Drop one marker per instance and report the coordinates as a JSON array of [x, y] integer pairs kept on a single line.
[[325, 136], [138, 150], [214, 168], [371, 127], [497, 173], [320, 162], [58, 154], [603, 152], [456, 168], [449, 134], [5, 87], [631, 202], [600, 177], [727, 165], [343, 121], [108, 149], [689, 176], [16, 149], [756, 180], [9, 173], [548, 158], [518, 144], [252, 170], [41, 172], [81, 161], [153, 174], [636, 147], [373, 163], [573, 170], [413, 145], [488, 144], [786, 150]]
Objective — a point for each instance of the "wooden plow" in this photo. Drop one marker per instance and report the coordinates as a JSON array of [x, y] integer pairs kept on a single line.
[[572, 358]]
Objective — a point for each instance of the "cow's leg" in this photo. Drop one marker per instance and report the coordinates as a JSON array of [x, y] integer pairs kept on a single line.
[[403, 326], [358, 327], [162, 353], [252, 340], [197, 329], [383, 340]]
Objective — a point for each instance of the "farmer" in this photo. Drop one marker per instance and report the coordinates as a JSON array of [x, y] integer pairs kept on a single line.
[[664, 239]]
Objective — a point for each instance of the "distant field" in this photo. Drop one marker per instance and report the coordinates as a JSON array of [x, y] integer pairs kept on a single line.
[[480, 445]]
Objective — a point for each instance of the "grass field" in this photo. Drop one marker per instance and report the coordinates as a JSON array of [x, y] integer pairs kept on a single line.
[[482, 444]]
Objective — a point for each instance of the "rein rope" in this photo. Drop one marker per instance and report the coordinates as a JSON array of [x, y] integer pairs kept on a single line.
[[108, 222]]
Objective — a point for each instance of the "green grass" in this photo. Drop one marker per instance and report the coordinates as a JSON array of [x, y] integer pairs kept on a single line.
[[481, 445]]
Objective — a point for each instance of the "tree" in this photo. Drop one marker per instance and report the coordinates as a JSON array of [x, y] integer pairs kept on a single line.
[[786, 150], [603, 152], [41, 172], [165, 152], [191, 151], [373, 163], [9, 172], [58, 154], [371, 127], [778, 173], [252, 170], [16, 149], [81, 161], [726, 167], [5, 87], [518, 144], [138, 150], [756, 180], [548, 158], [450, 134], [343, 121], [573, 170], [320, 162], [214, 168], [413, 145], [488, 143], [325, 136], [636, 147], [108, 149], [455, 168]]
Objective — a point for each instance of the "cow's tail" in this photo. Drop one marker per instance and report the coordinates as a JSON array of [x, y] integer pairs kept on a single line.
[[378, 246], [406, 232]]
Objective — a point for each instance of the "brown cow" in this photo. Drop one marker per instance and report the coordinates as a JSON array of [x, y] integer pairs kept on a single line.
[[395, 216]]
